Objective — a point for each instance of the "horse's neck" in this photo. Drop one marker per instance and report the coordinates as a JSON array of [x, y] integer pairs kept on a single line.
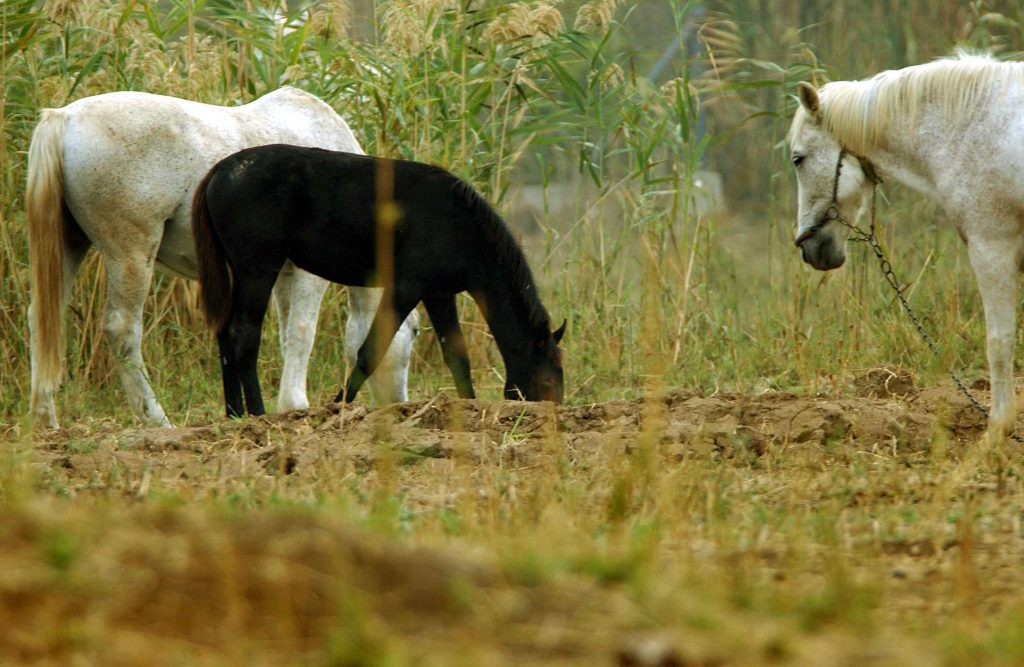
[[922, 158], [907, 168], [507, 313]]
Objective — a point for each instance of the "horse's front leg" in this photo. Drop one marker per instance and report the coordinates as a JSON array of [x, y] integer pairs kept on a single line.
[[297, 296], [378, 338], [389, 383], [445, 317], [995, 263]]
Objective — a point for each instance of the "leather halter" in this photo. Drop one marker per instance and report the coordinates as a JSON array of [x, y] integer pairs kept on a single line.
[[832, 212]]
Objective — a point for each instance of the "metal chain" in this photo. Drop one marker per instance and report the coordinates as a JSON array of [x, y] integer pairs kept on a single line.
[[871, 238]]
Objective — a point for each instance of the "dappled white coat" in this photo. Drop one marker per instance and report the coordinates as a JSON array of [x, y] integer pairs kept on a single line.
[[953, 130], [126, 164]]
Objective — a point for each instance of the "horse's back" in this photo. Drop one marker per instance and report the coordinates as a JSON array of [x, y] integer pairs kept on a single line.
[[132, 160], [321, 208]]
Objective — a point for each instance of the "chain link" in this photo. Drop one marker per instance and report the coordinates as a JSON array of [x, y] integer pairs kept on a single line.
[[871, 238]]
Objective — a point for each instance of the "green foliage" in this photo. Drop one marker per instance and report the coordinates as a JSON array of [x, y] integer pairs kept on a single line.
[[660, 288]]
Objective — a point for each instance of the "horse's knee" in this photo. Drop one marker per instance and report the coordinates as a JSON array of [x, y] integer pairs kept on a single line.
[[123, 336], [1000, 345], [301, 329]]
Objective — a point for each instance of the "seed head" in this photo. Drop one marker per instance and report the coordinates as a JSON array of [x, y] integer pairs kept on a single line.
[[595, 16]]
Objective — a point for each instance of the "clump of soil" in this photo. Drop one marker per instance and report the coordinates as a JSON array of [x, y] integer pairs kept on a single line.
[[885, 382]]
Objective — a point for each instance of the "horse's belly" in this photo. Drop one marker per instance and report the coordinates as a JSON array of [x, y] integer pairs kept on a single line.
[[177, 253], [342, 265]]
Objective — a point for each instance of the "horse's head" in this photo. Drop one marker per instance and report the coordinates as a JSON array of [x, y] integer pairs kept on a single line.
[[816, 155], [540, 377]]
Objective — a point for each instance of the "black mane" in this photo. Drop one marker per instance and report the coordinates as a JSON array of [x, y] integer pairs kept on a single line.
[[509, 254]]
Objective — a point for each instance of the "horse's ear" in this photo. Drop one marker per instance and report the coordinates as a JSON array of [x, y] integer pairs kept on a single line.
[[559, 332], [808, 95]]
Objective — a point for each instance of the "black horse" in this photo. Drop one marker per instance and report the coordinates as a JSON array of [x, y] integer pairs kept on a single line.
[[414, 229]]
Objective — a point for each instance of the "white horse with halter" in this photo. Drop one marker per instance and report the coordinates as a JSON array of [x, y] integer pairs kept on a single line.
[[953, 130], [118, 171]]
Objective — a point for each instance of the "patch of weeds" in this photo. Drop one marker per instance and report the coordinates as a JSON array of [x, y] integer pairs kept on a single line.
[[529, 569], [840, 602], [513, 436], [1008, 637], [450, 521], [81, 445], [777, 649], [358, 640], [462, 594], [60, 550], [701, 620], [241, 499], [417, 452], [608, 569], [620, 499], [60, 489], [836, 434], [390, 515]]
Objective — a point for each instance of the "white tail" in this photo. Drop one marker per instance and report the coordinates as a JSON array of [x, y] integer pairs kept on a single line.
[[44, 206]]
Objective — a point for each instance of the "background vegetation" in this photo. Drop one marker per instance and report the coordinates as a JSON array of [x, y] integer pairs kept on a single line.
[[597, 128], [537, 103]]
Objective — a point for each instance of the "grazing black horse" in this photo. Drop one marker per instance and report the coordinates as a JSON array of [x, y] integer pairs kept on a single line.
[[414, 229]]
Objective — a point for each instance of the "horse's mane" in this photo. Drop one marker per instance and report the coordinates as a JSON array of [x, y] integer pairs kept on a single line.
[[510, 256], [856, 113]]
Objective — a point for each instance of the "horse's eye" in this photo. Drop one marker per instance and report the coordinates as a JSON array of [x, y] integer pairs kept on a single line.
[[797, 160]]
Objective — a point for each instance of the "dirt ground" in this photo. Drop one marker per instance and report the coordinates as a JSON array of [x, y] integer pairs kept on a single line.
[[888, 413], [446, 455]]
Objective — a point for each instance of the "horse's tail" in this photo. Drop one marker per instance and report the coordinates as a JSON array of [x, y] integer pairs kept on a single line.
[[45, 210], [214, 276]]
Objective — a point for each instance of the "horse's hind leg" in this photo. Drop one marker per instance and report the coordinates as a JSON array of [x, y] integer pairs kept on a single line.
[[233, 403], [445, 318], [240, 339], [76, 245], [297, 296], [389, 383], [128, 280]]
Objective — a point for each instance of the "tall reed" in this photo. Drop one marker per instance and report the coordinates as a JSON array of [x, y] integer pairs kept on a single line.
[[548, 109]]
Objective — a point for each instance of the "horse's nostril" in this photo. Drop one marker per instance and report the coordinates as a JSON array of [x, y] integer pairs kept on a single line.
[[806, 234]]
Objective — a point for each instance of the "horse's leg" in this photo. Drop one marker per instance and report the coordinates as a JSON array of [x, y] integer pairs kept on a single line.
[[250, 298], [76, 246], [445, 317], [995, 263], [128, 280], [378, 339], [389, 383], [233, 403], [297, 296]]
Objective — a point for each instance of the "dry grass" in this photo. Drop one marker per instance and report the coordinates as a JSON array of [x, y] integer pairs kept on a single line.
[[732, 522], [713, 530]]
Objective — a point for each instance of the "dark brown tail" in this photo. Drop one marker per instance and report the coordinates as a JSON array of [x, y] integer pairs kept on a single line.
[[214, 274]]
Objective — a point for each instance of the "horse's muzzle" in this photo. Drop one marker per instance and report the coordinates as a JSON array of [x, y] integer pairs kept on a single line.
[[821, 253], [806, 234]]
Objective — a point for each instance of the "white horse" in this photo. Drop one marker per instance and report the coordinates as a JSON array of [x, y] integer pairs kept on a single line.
[[118, 171], [953, 130]]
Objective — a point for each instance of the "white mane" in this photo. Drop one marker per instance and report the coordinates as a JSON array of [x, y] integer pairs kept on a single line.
[[857, 112]]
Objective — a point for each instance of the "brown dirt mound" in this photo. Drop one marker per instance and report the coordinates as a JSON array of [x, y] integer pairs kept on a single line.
[[502, 433]]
